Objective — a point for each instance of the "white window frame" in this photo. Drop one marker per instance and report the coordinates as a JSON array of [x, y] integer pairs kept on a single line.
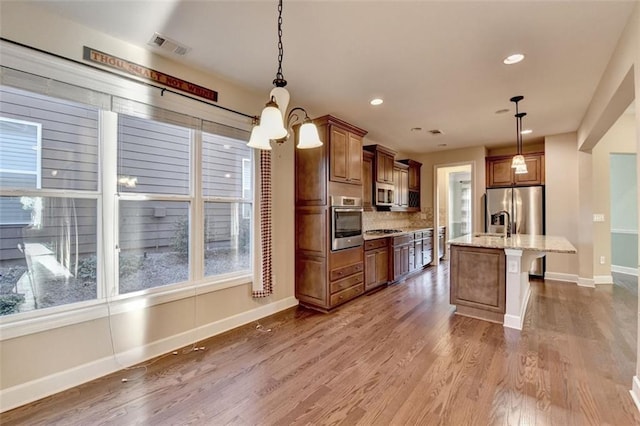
[[108, 303]]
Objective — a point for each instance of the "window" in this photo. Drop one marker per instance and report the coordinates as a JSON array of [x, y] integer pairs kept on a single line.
[[227, 186], [48, 240], [154, 160], [63, 205], [20, 147]]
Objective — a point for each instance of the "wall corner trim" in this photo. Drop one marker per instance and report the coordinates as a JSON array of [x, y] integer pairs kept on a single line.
[[25, 393], [635, 391]]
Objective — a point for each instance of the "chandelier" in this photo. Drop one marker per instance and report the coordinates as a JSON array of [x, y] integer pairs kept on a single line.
[[518, 162], [272, 125]]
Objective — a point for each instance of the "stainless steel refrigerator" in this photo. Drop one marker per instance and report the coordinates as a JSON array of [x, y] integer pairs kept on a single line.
[[525, 205]]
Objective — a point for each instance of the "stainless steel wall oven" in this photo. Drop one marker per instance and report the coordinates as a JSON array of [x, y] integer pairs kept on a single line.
[[346, 222]]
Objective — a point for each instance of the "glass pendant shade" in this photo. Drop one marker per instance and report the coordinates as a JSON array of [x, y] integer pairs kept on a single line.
[[271, 121], [308, 136], [518, 161], [521, 170], [282, 98], [258, 139]]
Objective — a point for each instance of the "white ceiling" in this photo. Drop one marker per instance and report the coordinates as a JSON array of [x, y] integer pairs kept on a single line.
[[437, 65]]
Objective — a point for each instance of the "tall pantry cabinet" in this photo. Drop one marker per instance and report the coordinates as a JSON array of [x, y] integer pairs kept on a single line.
[[326, 279]]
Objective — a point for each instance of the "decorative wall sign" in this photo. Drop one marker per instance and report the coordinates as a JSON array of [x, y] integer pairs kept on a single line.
[[90, 54]]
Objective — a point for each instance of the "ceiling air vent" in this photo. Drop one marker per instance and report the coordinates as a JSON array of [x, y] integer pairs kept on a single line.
[[436, 132], [165, 43]]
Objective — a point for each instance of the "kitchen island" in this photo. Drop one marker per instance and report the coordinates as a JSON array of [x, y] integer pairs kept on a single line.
[[489, 274]]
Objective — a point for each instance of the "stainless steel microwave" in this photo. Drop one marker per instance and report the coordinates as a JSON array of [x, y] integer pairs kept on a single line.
[[384, 194]]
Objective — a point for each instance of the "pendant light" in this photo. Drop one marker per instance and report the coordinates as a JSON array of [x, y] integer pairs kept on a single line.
[[518, 162], [272, 125]]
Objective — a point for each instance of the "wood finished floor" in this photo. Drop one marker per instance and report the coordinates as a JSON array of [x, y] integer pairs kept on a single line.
[[396, 357]]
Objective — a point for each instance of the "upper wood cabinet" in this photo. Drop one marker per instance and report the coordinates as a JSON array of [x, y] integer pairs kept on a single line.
[[414, 173], [367, 180], [414, 184], [401, 185], [501, 174], [383, 163], [345, 149]]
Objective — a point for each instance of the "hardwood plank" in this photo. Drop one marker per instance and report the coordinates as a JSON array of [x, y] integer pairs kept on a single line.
[[395, 356]]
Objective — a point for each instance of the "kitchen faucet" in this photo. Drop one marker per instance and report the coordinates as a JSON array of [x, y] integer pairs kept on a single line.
[[507, 224]]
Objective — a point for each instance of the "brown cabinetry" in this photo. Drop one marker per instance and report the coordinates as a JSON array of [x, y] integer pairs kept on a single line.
[[376, 263], [400, 246], [367, 180], [501, 174], [400, 186], [413, 199], [383, 163], [325, 279], [478, 282]]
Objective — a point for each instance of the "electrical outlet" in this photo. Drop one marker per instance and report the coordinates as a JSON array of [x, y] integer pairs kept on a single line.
[[602, 260], [598, 217]]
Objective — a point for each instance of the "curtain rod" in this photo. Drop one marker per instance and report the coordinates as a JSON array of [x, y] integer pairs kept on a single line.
[[135, 80]]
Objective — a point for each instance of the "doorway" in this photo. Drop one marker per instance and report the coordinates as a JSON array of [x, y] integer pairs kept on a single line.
[[453, 215]]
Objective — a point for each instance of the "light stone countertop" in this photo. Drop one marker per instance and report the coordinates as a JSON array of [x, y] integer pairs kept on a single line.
[[403, 231], [542, 243]]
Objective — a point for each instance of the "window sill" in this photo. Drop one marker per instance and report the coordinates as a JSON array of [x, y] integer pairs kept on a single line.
[[22, 324]]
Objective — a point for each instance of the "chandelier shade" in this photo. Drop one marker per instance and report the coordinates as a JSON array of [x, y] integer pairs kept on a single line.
[[272, 126]]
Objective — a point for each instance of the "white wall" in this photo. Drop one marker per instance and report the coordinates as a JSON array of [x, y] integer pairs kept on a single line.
[[561, 207]]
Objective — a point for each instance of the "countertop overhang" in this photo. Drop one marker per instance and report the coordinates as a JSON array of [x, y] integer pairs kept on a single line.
[[525, 242]]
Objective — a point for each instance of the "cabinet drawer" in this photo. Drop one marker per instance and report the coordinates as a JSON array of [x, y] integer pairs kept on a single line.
[[345, 271], [427, 233], [347, 294], [417, 235], [402, 239], [337, 286], [374, 244]]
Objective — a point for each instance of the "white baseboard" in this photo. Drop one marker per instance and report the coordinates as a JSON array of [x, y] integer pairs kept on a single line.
[[559, 276], [25, 393], [624, 270], [586, 282], [602, 279], [513, 321], [635, 391]]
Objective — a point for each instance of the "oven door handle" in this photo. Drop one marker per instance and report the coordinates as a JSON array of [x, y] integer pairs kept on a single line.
[[339, 210]]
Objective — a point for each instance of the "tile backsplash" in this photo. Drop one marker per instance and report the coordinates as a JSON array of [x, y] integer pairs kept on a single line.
[[395, 220]]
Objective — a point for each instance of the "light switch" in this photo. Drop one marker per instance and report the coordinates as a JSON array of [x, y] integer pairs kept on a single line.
[[598, 217]]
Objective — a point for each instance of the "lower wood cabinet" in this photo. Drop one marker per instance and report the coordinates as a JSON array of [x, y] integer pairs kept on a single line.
[[376, 263], [478, 282], [401, 250]]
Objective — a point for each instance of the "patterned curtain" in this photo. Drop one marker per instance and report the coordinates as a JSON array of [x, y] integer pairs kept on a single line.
[[265, 287]]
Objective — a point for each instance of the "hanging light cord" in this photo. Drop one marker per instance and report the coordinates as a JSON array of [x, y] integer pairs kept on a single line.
[[279, 80]]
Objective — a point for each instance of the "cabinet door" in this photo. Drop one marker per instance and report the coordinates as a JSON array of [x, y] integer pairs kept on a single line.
[[382, 266], [370, 269], [414, 177], [339, 155], [535, 171], [367, 181], [354, 166], [396, 187], [499, 172], [418, 254], [404, 188]]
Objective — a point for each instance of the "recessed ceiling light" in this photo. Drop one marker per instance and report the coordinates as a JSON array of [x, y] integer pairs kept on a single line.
[[513, 59], [436, 132], [526, 131], [502, 111], [416, 129], [376, 101], [442, 145]]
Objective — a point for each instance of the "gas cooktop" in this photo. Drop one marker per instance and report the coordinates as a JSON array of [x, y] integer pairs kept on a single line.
[[383, 231]]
